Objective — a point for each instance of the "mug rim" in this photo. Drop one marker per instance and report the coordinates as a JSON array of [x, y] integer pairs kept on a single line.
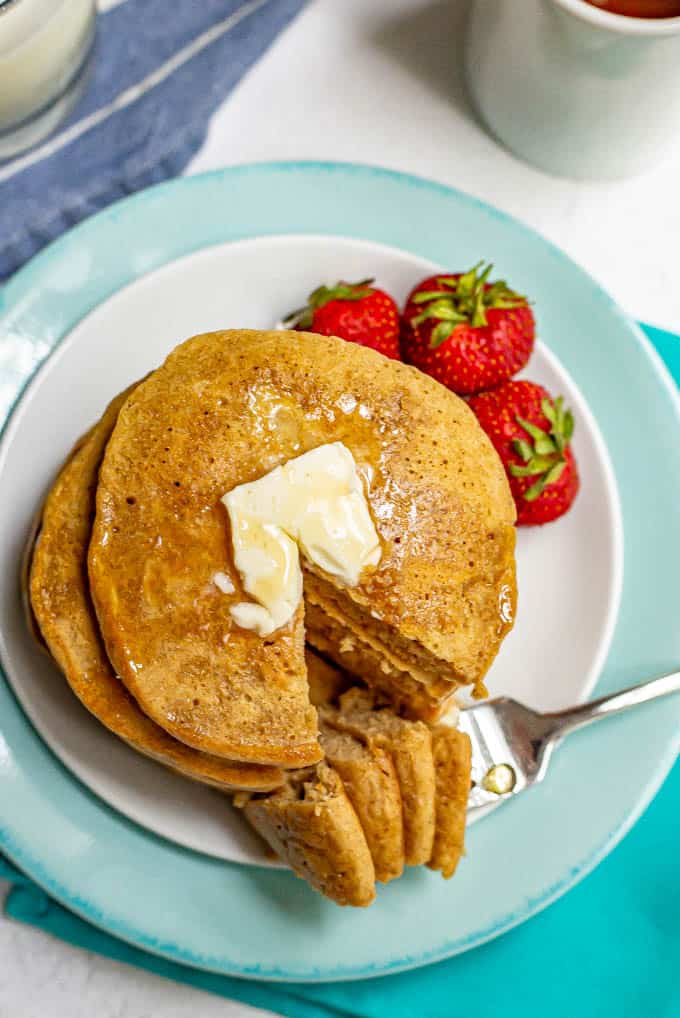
[[622, 24]]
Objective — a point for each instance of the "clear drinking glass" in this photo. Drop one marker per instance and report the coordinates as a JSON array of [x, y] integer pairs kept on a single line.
[[45, 46]]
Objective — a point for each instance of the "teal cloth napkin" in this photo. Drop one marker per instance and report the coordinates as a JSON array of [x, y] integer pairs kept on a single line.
[[610, 948]]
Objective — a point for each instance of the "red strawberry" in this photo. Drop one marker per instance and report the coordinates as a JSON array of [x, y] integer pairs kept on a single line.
[[531, 434], [357, 312], [467, 333]]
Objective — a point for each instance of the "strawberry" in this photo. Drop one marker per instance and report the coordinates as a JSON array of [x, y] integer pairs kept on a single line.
[[357, 312], [466, 332], [531, 434]]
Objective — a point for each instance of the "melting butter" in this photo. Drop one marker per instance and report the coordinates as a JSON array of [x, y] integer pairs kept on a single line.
[[223, 583], [314, 504]]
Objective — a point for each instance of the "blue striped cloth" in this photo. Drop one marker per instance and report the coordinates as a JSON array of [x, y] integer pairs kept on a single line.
[[160, 70]]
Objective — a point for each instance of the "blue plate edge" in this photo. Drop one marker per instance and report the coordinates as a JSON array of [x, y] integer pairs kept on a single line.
[[177, 954], [577, 873]]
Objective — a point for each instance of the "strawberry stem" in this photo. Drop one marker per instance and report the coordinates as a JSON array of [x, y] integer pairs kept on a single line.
[[543, 457], [464, 298]]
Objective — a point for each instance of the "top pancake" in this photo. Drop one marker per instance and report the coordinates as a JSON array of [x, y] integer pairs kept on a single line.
[[64, 612], [227, 407]]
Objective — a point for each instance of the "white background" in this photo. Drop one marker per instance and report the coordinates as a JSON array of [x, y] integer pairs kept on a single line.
[[380, 83]]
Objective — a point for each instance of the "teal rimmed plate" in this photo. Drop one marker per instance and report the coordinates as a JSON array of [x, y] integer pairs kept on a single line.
[[265, 923]]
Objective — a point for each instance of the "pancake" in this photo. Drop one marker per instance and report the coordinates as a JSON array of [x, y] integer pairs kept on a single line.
[[64, 613], [225, 409], [372, 786], [452, 752], [311, 825], [409, 744], [407, 783]]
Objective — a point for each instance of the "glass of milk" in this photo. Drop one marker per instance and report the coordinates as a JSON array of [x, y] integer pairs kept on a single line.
[[44, 51]]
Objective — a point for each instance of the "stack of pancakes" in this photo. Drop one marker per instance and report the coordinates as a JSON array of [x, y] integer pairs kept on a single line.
[[133, 536]]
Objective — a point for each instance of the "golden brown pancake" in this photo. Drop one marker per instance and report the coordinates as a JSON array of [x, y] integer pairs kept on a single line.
[[228, 407], [408, 785], [372, 786], [64, 612], [311, 825], [409, 743], [452, 752]]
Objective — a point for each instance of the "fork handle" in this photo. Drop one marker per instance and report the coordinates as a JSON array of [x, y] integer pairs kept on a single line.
[[570, 720]]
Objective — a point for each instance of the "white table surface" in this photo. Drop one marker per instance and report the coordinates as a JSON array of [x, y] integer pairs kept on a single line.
[[379, 83]]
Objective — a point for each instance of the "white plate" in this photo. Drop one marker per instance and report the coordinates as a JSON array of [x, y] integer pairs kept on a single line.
[[250, 284]]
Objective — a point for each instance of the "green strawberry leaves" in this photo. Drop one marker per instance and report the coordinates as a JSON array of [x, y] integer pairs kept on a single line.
[[536, 489], [465, 298], [303, 318], [523, 449], [544, 455], [562, 421]]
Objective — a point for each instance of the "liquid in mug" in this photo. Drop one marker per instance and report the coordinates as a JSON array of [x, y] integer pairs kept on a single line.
[[640, 8]]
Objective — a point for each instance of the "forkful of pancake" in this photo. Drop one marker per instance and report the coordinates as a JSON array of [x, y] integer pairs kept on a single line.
[[270, 566]]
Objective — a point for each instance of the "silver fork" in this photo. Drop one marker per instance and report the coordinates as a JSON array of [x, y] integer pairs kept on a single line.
[[512, 745]]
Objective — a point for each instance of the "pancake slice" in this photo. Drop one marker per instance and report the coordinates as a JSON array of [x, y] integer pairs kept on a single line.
[[371, 783], [311, 825], [388, 771], [409, 743], [452, 752], [63, 610]]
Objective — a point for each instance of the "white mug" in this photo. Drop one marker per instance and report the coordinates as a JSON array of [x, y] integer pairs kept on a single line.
[[574, 89]]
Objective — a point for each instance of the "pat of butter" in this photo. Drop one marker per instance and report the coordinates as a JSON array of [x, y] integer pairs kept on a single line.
[[315, 504], [223, 583]]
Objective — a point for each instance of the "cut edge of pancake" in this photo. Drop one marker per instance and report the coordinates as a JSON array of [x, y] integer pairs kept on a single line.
[[350, 653]]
